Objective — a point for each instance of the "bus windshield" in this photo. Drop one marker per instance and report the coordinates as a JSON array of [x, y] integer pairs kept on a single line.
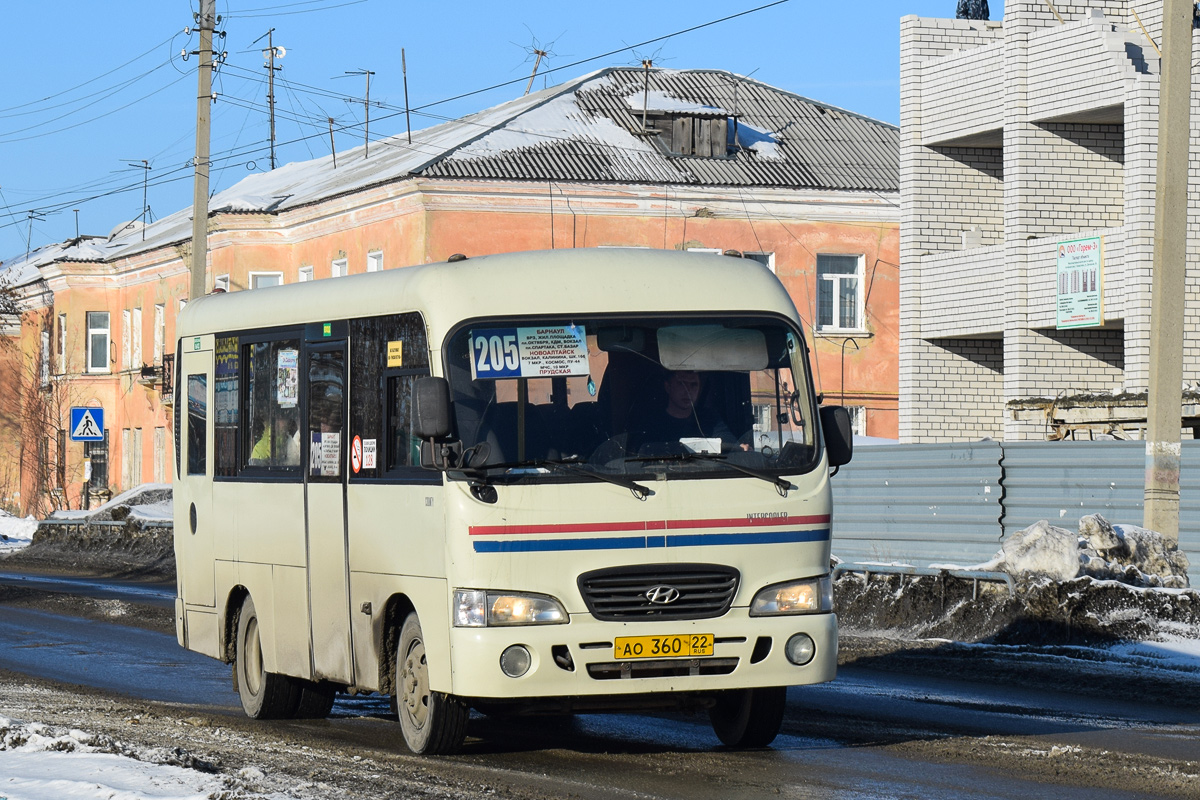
[[669, 396]]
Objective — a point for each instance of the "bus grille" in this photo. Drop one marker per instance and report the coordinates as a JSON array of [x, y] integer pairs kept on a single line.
[[627, 593]]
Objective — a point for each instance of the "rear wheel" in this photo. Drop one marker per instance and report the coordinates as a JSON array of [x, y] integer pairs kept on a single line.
[[748, 717], [433, 723], [265, 695]]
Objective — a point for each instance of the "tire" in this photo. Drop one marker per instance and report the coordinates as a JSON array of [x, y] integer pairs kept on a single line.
[[314, 701], [265, 695], [432, 723], [748, 717]]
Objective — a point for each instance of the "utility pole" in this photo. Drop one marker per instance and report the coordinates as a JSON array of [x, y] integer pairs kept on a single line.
[[271, 53], [1164, 397], [206, 21], [407, 121], [366, 110]]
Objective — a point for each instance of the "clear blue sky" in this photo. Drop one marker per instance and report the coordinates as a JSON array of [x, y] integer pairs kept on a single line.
[[90, 88]]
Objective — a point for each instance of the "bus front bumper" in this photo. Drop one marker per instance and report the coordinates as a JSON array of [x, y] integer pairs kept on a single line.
[[578, 659]]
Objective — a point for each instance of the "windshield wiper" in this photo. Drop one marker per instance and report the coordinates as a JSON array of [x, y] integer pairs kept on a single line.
[[570, 466], [781, 485]]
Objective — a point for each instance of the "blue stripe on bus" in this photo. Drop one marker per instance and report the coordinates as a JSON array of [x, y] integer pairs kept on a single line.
[[643, 542]]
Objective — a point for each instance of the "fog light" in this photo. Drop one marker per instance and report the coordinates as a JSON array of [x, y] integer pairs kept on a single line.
[[515, 660], [800, 649]]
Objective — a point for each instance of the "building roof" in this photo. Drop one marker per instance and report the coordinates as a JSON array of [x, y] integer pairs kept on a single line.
[[588, 129]]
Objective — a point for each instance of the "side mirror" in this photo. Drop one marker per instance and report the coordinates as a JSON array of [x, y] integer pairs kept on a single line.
[[839, 435], [431, 408]]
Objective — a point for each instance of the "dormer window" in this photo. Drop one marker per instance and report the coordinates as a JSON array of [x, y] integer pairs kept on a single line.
[[690, 134]]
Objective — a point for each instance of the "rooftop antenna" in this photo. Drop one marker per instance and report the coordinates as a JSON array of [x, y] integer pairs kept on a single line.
[[270, 54], [647, 63], [76, 210], [31, 216], [407, 121], [332, 149], [537, 52], [144, 165], [366, 109]]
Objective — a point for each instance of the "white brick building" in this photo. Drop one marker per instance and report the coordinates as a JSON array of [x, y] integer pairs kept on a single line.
[[1017, 135]]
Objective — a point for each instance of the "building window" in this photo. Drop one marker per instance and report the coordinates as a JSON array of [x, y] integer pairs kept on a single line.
[[221, 283], [62, 344], [306, 274], [375, 261], [44, 367], [160, 332], [338, 268], [261, 280], [160, 455], [126, 339], [690, 134], [97, 341], [858, 420], [839, 293], [766, 259], [137, 339]]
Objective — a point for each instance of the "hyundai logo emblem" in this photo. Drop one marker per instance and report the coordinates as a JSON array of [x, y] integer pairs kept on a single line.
[[662, 595]]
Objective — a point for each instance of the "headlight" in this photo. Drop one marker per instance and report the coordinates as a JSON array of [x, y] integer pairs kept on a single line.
[[810, 596], [475, 608]]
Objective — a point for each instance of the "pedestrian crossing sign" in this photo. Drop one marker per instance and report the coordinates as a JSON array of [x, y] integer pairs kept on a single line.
[[87, 424]]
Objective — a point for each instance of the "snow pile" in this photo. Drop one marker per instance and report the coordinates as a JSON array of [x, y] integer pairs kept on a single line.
[[15, 533], [39, 762], [1101, 550], [150, 501]]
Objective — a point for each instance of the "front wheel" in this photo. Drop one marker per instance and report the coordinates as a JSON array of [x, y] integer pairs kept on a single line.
[[265, 695], [748, 717], [433, 723]]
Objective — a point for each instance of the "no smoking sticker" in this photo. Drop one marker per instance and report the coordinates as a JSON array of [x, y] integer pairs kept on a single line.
[[356, 453]]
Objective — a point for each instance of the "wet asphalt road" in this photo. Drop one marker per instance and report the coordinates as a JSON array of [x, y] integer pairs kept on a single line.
[[834, 742]]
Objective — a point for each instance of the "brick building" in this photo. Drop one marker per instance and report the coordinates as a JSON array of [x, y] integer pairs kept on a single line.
[[1017, 136], [697, 160]]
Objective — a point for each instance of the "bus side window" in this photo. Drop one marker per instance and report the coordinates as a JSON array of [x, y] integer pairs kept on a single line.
[[403, 449], [197, 421], [272, 418]]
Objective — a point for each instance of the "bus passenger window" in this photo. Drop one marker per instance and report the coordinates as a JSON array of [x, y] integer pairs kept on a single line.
[[326, 411], [272, 401], [403, 449], [197, 430]]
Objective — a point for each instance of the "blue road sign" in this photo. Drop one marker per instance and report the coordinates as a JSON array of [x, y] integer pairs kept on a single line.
[[87, 424]]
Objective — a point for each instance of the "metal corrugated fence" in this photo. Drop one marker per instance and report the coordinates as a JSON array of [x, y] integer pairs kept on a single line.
[[952, 503]]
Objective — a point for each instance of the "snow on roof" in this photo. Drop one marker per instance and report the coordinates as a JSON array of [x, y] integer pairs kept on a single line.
[[584, 129]]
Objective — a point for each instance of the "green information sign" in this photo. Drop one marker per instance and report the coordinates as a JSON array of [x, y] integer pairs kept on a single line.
[[1080, 296]]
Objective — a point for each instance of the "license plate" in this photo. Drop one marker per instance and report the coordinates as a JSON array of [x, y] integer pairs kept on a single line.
[[685, 645]]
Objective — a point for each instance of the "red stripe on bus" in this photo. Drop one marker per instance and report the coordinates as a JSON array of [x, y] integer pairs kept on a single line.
[[647, 525]]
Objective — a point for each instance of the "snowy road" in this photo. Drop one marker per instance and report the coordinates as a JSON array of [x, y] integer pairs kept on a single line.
[[868, 734]]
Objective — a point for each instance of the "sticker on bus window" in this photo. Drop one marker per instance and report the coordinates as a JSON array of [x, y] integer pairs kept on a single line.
[[325, 454], [287, 382], [541, 352], [395, 354]]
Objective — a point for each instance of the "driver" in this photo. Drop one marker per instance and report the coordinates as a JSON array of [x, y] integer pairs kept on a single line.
[[681, 418]]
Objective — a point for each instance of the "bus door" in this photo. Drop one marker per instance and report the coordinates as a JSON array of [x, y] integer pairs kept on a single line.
[[325, 510], [195, 567]]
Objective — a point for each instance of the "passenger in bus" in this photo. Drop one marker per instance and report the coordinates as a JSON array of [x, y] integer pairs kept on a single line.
[[680, 418], [278, 445]]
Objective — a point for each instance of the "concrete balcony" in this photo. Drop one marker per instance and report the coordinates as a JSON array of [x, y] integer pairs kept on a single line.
[[962, 293], [1041, 259], [1081, 71], [962, 98]]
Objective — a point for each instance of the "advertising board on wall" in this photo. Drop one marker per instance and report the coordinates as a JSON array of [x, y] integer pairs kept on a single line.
[[1080, 296]]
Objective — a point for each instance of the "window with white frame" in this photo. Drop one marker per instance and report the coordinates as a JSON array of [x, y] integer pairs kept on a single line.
[[137, 339], [221, 282], [306, 274], [261, 280], [97, 341], [374, 261], [126, 338], [338, 268], [160, 332], [766, 259], [62, 344], [45, 366], [858, 420], [839, 292]]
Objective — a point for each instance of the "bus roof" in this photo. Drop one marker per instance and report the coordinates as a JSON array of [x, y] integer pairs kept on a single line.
[[575, 281]]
